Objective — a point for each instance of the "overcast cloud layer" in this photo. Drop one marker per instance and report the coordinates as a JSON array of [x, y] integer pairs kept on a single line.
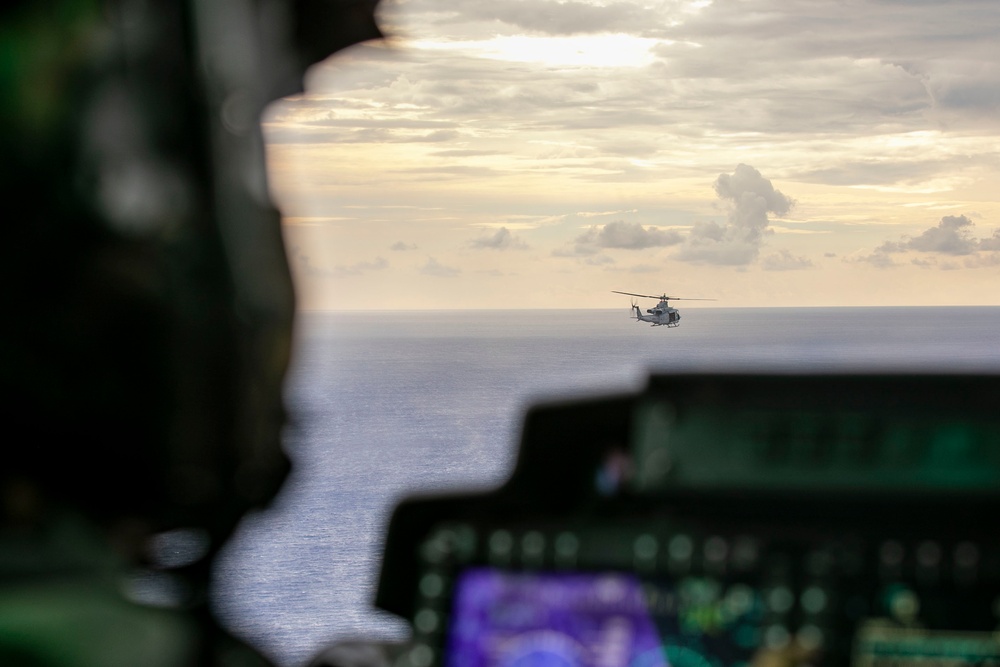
[[670, 146]]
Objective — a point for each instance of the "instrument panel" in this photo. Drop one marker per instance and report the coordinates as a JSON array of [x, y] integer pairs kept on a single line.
[[723, 521]]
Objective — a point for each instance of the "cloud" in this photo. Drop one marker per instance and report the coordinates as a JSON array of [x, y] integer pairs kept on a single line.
[[982, 259], [598, 260], [877, 259], [845, 98], [951, 237], [783, 260], [501, 240], [553, 17], [340, 270], [623, 236], [633, 236], [597, 214], [360, 268], [991, 242], [751, 197], [817, 71], [434, 268], [400, 246], [463, 152]]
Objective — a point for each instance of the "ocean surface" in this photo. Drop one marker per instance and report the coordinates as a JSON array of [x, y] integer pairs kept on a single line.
[[388, 404]]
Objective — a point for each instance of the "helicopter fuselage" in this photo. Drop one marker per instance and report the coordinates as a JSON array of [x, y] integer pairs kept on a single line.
[[660, 315]]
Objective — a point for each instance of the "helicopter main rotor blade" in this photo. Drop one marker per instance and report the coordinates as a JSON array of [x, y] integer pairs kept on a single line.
[[644, 296], [663, 297]]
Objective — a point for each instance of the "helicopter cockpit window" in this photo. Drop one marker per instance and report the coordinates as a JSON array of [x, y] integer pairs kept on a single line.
[[827, 175]]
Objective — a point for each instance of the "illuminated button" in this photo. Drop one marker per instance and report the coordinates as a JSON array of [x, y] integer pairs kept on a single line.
[[715, 550], [810, 637], [928, 554], [646, 547], [435, 550], [501, 543], [421, 655], [680, 548], [426, 621], [903, 604], [739, 599], [966, 555], [533, 545], [776, 637], [780, 599], [746, 551], [699, 591], [431, 585], [465, 542], [656, 465], [566, 546], [813, 600], [966, 558], [891, 553], [819, 563]]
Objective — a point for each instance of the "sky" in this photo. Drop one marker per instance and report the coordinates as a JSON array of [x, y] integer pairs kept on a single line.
[[542, 153]]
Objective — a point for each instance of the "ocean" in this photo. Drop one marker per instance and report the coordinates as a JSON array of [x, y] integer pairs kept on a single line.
[[389, 404]]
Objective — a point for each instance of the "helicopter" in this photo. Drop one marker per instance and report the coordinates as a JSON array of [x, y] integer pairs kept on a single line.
[[662, 314]]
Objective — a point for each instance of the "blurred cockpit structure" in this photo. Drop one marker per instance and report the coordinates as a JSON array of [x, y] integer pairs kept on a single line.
[[147, 311]]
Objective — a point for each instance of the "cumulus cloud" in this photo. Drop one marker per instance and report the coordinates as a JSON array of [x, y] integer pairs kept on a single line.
[[400, 246], [951, 237], [737, 242], [991, 242], [783, 260], [501, 240], [621, 235], [879, 260], [434, 268]]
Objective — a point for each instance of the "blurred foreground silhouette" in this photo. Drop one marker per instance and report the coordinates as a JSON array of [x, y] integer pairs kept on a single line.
[[147, 310]]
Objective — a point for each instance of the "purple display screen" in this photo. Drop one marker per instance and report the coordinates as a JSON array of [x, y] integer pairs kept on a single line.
[[517, 619]]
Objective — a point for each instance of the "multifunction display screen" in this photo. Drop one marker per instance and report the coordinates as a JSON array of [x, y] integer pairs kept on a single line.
[[580, 619]]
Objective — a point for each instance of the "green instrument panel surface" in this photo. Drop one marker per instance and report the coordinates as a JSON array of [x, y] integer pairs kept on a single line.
[[707, 447]]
